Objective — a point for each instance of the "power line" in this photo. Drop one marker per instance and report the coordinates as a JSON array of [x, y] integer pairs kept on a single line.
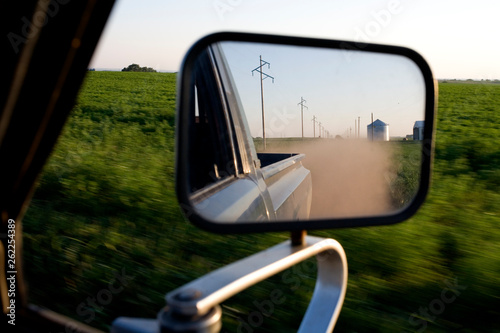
[[373, 139], [359, 120], [263, 76], [302, 106], [314, 126]]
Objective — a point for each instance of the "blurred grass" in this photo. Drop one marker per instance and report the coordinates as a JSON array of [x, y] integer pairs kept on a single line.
[[105, 205]]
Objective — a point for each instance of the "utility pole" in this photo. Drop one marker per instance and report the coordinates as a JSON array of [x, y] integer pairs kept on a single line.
[[319, 128], [373, 139], [302, 106], [263, 76], [359, 120], [314, 126]]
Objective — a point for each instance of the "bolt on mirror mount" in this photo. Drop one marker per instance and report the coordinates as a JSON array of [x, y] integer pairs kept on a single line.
[[194, 307]]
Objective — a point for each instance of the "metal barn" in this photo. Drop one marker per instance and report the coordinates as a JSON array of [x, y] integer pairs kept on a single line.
[[418, 130], [378, 131]]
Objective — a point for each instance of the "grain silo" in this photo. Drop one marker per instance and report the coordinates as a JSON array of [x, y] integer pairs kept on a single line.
[[418, 130], [379, 130]]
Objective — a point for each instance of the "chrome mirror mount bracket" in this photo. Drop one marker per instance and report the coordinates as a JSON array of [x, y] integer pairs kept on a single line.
[[194, 307]]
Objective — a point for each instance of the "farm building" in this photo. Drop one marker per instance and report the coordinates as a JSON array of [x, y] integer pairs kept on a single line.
[[418, 130], [379, 129]]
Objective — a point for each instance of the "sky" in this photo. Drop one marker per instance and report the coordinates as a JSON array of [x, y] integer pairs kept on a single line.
[[458, 38], [337, 87]]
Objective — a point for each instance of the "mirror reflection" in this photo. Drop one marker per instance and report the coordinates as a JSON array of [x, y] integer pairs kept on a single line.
[[294, 133]]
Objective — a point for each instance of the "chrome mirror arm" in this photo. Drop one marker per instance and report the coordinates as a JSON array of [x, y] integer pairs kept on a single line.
[[199, 299]]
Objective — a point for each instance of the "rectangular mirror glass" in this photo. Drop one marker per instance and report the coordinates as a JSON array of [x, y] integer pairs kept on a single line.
[[280, 132]]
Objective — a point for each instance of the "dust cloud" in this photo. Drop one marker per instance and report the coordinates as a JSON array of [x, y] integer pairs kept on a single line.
[[348, 176]]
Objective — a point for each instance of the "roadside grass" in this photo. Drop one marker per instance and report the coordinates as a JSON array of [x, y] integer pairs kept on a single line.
[[106, 205]]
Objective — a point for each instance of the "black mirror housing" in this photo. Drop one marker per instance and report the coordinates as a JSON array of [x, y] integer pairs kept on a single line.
[[225, 185]]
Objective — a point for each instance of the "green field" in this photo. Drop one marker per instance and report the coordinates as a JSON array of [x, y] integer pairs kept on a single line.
[[104, 232]]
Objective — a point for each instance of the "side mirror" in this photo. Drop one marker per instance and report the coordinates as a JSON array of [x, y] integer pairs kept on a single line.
[[279, 133]]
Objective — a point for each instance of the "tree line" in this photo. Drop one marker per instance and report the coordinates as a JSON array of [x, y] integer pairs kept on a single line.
[[137, 68]]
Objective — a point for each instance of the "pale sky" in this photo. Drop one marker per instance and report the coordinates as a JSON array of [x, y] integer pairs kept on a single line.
[[338, 88], [459, 39]]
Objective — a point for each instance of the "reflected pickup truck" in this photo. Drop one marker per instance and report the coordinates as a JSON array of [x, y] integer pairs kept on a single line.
[[228, 181]]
